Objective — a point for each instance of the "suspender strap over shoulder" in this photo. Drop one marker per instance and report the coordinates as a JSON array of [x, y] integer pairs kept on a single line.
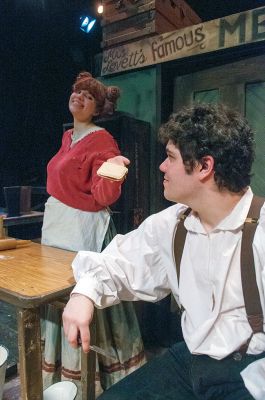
[[179, 240], [248, 274]]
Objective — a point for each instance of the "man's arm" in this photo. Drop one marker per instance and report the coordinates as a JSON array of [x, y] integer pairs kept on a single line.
[[132, 267]]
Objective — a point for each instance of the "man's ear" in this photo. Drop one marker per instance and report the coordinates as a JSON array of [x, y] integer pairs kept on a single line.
[[206, 166]]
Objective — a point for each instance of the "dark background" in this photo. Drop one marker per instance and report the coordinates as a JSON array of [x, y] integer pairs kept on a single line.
[[42, 50]]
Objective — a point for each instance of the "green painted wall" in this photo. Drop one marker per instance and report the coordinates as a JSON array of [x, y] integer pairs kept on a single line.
[[138, 93], [139, 97]]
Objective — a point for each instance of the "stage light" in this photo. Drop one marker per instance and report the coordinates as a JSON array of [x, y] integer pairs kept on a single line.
[[87, 23], [100, 8]]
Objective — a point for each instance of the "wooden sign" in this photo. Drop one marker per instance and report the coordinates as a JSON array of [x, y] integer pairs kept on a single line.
[[233, 30]]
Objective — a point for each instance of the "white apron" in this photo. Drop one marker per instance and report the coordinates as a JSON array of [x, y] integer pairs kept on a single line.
[[71, 229]]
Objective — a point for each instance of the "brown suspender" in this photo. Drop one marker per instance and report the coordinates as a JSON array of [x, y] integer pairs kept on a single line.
[[248, 275], [179, 240]]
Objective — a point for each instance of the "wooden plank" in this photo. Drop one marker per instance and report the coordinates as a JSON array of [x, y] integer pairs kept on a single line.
[[88, 368], [2, 231], [145, 24], [177, 12], [127, 9], [128, 25], [108, 42], [29, 348]]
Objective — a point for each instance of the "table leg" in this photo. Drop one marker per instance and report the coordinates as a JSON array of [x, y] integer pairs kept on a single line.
[[88, 368], [29, 348]]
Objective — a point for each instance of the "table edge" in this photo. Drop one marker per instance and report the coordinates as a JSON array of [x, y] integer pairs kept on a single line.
[[32, 301]]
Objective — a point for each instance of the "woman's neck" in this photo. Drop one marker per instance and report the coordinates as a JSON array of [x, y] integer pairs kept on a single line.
[[82, 127]]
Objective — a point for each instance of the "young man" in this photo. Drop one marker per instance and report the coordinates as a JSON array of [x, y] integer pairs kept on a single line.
[[209, 157]]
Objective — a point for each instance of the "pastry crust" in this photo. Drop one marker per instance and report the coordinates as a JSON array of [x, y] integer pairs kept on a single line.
[[112, 171]]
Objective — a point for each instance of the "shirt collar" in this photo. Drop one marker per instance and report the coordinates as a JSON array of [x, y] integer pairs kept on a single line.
[[233, 221]]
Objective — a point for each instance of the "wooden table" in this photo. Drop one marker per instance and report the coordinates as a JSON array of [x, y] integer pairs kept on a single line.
[[30, 277]]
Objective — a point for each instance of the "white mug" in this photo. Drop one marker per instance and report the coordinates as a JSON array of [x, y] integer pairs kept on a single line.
[[3, 363], [64, 390]]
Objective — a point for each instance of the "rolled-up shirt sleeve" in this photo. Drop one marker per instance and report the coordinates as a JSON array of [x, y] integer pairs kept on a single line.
[[130, 268]]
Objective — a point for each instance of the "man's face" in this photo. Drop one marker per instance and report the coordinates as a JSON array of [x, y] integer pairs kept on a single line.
[[179, 186]]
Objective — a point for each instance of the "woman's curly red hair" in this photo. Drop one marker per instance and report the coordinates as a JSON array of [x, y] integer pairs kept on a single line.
[[105, 96]]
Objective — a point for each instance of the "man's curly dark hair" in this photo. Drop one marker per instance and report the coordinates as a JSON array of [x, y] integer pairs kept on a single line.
[[206, 129]]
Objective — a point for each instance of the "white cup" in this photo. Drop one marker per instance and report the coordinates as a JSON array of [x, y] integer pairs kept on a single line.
[[3, 363], [65, 390]]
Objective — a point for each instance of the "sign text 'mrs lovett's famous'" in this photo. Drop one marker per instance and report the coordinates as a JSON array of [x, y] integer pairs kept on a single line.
[[234, 30]]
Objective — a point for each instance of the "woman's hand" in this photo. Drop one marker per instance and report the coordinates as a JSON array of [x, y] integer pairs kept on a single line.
[[77, 316], [120, 160]]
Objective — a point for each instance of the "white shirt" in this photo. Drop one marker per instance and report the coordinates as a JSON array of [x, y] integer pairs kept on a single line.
[[140, 266]]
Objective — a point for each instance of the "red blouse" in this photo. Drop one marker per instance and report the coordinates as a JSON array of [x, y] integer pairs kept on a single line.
[[72, 176]]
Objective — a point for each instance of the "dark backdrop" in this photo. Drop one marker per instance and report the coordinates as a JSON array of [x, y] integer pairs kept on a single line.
[[42, 50], [212, 9]]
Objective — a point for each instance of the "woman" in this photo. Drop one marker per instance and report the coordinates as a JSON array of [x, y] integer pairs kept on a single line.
[[77, 218]]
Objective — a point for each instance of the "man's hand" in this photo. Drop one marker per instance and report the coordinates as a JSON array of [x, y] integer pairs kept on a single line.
[[120, 160], [77, 316]]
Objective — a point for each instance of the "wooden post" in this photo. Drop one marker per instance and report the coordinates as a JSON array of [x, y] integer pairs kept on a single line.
[[2, 229], [29, 347], [88, 367]]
